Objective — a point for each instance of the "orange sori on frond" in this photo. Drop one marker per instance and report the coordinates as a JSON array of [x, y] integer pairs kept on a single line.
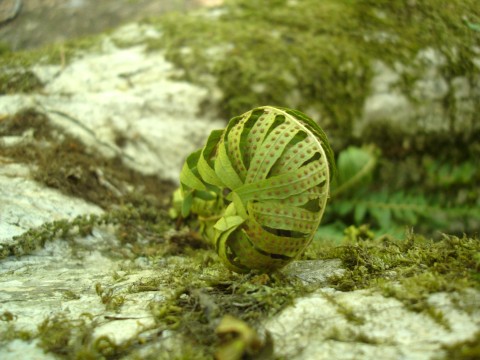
[[260, 187]]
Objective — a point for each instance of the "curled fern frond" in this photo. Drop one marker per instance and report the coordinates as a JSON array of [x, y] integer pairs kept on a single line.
[[259, 187]]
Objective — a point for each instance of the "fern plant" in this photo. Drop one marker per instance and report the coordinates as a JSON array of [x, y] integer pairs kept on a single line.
[[357, 198], [259, 187]]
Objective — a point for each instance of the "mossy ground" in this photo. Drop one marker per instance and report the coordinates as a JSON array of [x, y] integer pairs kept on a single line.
[[201, 291], [419, 265], [64, 163]]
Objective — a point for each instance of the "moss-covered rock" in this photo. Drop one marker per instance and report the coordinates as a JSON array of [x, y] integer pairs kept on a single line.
[[354, 65], [126, 281]]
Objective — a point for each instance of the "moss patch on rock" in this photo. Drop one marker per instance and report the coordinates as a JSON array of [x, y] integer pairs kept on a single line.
[[317, 56], [409, 270], [332, 82], [464, 350], [62, 162], [21, 81], [200, 293]]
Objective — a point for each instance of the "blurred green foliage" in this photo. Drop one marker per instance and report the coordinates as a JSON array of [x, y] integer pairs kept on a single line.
[[443, 201], [319, 56]]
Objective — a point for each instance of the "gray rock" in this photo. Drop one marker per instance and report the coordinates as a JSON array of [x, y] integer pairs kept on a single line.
[[27, 204], [364, 324], [315, 272], [422, 110], [128, 93]]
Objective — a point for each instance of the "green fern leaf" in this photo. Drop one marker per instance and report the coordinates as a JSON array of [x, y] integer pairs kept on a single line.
[[355, 167], [265, 178]]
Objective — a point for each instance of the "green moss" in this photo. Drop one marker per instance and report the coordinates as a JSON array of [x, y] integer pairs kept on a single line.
[[409, 270], [23, 60], [347, 312], [202, 292], [348, 335], [66, 164], [269, 53], [10, 333], [112, 301], [464, 350], [252, 299], [34, 238], [70, 295], [53, 54], [4, 48], [148, 222], [7, 316], [316, 56], [73, 339], [20, 81]]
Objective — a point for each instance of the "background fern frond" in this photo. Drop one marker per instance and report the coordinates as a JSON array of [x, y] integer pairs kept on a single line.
[[439, 200]]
